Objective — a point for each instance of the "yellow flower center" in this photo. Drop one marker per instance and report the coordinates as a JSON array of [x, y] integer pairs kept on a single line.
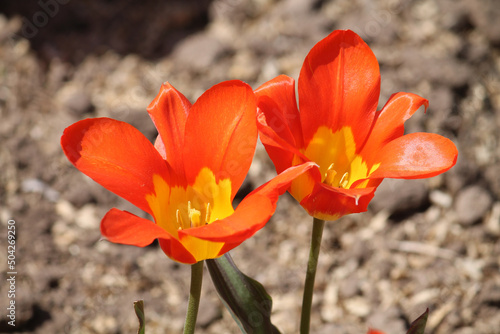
[[177, 208], [201, 203], [329, 177], [195, 218], [335, 153]]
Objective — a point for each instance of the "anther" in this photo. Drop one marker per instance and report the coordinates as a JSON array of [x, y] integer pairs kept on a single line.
[[344, 180]]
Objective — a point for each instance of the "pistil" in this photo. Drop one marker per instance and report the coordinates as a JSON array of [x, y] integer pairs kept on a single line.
[[194, 216], [330, 174]]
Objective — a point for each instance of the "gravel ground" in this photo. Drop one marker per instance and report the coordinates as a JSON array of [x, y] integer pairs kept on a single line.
[[431, 243]]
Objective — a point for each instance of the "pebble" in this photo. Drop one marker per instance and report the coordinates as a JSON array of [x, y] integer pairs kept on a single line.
[[440, 198], [471, 267], [400, 196], [79, 103], [104, 324], [87, 218], [493, 223], [66, 210], [472, 204], [208, 313], [358, 306], [349, 287], [198, 51], [330, 310], [63, 235], [38, 186]]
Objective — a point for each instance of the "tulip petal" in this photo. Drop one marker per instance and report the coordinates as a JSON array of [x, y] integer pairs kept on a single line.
[[329, 203], [221, 133], [276, 100], [278, 121], [176, 251], [416, 155], [304, 184], [115, 155], [201, 249], [339, 85], [169, 111], [126, 228], [160, 147], [389, 122], [251, 214], [280, 150], [123, 227]]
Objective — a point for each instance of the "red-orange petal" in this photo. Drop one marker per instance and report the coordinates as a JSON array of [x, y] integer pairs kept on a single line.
[[416, 155], [278, 121], [276, 100], [176, 251], [221, 133], [249, 217], [123, 227], [279, 150], [251, 214], [339, 85], [160, 147], [389, 122], [115, 155], [169, 111], [329, 203]]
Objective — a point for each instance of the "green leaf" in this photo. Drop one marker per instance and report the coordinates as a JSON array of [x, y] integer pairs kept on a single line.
[[418, 326], [245, 298], [139, 311]]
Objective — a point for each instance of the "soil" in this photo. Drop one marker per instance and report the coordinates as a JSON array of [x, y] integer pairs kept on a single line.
[[423, 244]]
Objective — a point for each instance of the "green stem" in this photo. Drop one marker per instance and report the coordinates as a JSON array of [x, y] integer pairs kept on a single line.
[[194, 297], [312, 264]]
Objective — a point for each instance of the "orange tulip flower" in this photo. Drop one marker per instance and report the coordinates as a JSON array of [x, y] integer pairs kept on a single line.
[[188, 179], [340, 129]]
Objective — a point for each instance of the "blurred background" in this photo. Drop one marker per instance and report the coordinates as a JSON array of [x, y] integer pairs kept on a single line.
[[423, 243]]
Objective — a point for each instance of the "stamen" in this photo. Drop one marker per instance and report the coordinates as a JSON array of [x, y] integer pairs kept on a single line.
[[179, 219], [344, 180], [330, 174], [208, 213]]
